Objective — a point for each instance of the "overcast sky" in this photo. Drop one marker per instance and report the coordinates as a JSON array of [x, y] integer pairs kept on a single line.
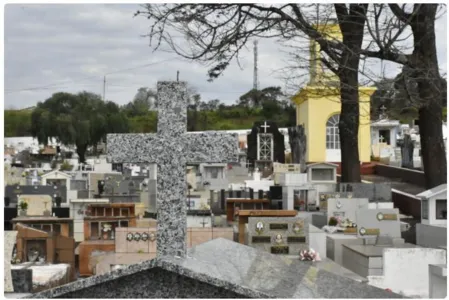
[[53, 48]]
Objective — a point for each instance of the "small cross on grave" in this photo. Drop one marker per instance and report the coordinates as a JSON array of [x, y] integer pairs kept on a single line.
[[381, 139], [171, 149], [265, 126]]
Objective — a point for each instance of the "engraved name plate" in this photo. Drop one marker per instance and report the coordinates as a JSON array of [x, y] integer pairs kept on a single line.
[[369, 231], [279, 226], [389, 217], [296, 239], [261, 239], [280, 249]]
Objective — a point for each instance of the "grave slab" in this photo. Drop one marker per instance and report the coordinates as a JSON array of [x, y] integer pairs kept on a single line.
[[345, 207], [219, 269], [334, 245], [367, 260], [10, 241], [374, 222]]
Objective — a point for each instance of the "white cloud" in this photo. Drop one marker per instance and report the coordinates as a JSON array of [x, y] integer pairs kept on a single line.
[[70, 47]]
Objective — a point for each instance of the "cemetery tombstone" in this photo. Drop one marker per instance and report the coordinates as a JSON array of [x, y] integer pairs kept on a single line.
[[407, 152], [38, 205], [266, 144], [378, 222], [278, 235], [10, 241], [171, 149], [346, 208]]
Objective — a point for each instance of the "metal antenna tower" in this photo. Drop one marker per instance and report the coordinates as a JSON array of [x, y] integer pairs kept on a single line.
[[255, 79]]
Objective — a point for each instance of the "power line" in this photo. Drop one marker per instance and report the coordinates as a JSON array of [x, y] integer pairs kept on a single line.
[[85, 78]]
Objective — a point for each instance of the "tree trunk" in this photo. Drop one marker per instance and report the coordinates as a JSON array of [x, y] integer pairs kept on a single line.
[[425, 62], [351, 26], [81, 151], [349, 126]]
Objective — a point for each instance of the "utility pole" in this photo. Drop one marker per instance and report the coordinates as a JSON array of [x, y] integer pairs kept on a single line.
[[177, 75], [104, 87], [255, 79]]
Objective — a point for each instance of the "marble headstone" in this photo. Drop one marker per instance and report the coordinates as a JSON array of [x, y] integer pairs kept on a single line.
[[38, 205], [219, 269], [378, 222], [171, 149], [323, 197], [346, 208], [287, 235], [10, 241], [266, 127]]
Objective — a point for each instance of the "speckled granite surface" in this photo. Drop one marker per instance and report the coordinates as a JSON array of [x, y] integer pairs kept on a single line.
[[171, 148], [9, 242], [219, 269]]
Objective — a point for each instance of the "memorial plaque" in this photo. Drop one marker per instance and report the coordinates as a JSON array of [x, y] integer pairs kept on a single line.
[[261, 239], [296, 239], [278, 235], [387, 217], [280, 250], [277, 226], [384, 221], [369, 231], [298, 227]]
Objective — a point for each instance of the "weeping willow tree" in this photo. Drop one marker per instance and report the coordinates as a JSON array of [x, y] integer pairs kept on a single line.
[[81, 119]]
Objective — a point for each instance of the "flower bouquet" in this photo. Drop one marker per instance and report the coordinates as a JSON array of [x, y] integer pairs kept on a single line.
[[309, 255]]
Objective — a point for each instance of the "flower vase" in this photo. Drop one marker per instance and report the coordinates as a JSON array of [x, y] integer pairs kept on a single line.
[[105, 236]]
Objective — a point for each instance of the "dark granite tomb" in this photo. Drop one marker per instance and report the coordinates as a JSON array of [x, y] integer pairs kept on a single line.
[[278, 142], [219, 269]]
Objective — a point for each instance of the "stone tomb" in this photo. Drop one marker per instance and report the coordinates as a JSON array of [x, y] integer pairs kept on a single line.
[[278, 235], [379, 229], [38, 205], [378, 222], [219, 269], [10, 241], [346, 208]]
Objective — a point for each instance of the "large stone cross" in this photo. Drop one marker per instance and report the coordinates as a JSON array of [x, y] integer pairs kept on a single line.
[[171, 148]]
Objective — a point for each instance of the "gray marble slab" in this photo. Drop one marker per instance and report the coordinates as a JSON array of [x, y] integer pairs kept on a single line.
[[368, 219], [9, 242], [171, 149], [219, 268]]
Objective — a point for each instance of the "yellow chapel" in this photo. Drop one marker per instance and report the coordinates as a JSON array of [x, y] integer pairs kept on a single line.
[[318, 109]]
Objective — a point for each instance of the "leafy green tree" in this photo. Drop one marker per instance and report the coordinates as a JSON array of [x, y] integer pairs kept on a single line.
[[144, 101], [82, 120], [17, 123]]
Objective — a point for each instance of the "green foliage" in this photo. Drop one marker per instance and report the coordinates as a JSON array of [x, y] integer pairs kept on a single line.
[[17, 123], [333, 221], [66, 166], [82, 119], [23, 205]]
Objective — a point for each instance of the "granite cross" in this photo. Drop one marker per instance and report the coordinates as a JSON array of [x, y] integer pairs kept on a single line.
[[171, 148], [265, 126]]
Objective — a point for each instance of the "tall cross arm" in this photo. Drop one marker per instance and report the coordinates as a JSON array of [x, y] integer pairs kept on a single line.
[[211, 147], [135, 148]]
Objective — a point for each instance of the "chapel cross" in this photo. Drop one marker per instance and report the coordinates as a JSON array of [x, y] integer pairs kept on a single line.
[[171, 149], [381, 138], [265, 126]]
